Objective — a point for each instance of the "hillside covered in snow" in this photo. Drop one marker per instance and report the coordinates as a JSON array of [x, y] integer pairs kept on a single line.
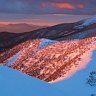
[[51, 54]]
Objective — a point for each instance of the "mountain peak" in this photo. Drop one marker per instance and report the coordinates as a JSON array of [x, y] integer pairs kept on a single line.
[[89, 21], [86, 22]]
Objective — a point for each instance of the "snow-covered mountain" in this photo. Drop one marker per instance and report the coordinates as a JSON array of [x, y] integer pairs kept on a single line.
[[51, 54], [87, 22]]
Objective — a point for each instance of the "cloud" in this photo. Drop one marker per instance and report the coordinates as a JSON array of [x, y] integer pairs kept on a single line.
[[80, 5], [75, 7], [63, 5]]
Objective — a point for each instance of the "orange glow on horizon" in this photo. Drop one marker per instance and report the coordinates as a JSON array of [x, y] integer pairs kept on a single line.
[[38, 23], [6, 22]]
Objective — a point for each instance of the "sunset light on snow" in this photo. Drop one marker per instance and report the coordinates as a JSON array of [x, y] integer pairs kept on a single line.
[[47, 47]]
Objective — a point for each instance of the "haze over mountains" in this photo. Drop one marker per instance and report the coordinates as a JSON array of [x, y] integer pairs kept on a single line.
[[50, 54], [19, 28]]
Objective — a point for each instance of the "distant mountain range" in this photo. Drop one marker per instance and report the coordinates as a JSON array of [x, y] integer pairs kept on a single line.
[[50, 54], [18, 28]]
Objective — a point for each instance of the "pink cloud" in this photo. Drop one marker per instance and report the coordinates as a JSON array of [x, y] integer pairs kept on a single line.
[[63, 5], [80, 5], [67, 5]]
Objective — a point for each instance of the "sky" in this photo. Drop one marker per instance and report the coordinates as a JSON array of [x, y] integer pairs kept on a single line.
[[45, 12]]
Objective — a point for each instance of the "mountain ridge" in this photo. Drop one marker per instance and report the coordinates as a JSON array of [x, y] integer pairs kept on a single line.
[[19, 27], [50, 53]]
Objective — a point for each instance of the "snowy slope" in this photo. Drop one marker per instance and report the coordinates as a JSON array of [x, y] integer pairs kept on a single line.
[[76, 85], [13, 58], [46, 42], [87, 22], [14, 83]]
